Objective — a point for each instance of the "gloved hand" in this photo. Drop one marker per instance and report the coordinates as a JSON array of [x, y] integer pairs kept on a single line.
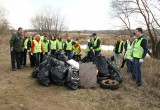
[[131, 59], [140, 60], [31, 53], [11, 49], [75, 53]]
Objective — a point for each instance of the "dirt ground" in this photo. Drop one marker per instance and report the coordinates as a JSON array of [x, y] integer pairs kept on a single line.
[[18, 91]]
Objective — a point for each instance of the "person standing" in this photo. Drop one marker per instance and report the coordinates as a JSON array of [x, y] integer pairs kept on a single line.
[[24, 52], [53, 45], [60, 44], [96, 45], [128, 54], [16, 47], [68, 48], [139, 53], [89, 49], [36, 49], [118, 49]]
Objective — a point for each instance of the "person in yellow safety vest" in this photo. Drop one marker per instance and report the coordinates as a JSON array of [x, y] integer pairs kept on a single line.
[[77, 51], [128, 54], [139, 53], [96, 45], [45, 44], [118, 49], [42, 36], [27, 47], [68, 48], [36, 49], [53, 45], [89, 49], [60, 44]]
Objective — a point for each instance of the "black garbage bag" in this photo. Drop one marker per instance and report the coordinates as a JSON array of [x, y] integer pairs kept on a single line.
[[114, 72], [102, 66], [85, 59], [43, 76], [58, 75], [35, 72], [72, 79], [43, 64], [52, 62], [61, 57]]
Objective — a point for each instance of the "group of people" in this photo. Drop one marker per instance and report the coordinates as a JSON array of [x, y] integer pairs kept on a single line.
[[135, 52], [38, 46]]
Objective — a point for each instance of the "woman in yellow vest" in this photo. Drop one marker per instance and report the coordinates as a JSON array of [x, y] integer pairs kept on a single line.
[[36, 49], [77, 51], [118, 49], [53, 45]]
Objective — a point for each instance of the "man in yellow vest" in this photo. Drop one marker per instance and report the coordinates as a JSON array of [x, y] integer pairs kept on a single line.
[[89, 49], [118, 49], [96, 45], [53, 45], [139, 53], [68, 48], [45, 44], [77, 51], [60, 44]]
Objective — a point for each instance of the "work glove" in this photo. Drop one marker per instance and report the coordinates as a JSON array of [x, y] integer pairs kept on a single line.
[[140, 60], [31, 53], [75, 53], [11, 49], [131, 59]]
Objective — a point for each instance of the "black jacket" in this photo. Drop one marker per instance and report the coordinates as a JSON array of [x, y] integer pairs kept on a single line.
[[117, 46]]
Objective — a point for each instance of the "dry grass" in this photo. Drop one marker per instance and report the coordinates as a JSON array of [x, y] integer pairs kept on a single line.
[[21, 92]]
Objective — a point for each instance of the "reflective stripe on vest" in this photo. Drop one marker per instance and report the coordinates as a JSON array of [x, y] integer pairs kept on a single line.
[[69, 45], [25, 43], [45, 46], [37, 46], [53, 45], [95, 43], [138, 50]]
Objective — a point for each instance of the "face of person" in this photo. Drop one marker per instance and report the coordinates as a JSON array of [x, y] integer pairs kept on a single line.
[[68, 38], [45, 38], [20, 31], [37, 37], [138, 33]]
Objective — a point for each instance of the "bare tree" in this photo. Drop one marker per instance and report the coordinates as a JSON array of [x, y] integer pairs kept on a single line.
[[4, 24], [48, 21], [146, 9]]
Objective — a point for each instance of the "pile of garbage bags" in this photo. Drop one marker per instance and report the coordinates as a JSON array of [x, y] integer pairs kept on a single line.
[[56, 70]]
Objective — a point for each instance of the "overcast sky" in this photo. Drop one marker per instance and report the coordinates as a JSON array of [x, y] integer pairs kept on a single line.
[[79, 14]]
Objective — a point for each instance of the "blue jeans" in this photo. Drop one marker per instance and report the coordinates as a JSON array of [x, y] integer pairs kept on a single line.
[[137, 71], [69, 54], [129, 65], [37, 58]]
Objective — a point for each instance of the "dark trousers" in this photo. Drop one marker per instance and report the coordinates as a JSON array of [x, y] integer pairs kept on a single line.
[[137, 73], [41, 57], [97, 53], [24, 57], [37, 59], [77, 58], [129, 65], [32, 60], [90, 55], [69, 54], [15, 58]]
